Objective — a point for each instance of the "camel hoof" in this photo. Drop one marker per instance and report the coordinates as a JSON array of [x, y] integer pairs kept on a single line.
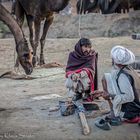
[[42, 62], [34, 60]]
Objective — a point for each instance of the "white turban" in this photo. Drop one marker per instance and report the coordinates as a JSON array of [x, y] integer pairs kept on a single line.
[[122, 55]]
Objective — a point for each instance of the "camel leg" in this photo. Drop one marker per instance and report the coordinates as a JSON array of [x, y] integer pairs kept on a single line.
[[48, 22], [113, 6], [30, 25], [37, 24], [78, 7]]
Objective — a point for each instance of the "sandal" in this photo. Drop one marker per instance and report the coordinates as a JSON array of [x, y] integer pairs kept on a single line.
[[103, 124], [115, 121]]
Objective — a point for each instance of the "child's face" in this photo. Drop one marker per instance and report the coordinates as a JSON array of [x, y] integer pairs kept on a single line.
[[86, 49]]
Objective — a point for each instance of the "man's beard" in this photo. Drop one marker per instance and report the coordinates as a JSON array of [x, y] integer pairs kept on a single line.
[[86, 53]]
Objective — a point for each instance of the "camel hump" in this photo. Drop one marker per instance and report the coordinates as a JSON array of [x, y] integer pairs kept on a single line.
[[30, 6]]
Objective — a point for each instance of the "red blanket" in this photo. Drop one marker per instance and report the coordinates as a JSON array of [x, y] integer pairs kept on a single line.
[[90, 74]]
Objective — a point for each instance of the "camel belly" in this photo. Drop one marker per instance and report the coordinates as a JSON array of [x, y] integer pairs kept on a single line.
[[30, 6]]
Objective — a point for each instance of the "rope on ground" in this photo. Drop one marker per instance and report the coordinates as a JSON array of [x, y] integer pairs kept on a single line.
[[18, 76]]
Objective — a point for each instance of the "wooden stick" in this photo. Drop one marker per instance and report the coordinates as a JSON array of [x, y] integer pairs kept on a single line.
[[86, 129]]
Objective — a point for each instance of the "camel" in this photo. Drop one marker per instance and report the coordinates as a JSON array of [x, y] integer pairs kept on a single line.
[[135, 4], [107, 6], [36, 11], [112, 6], [23, 52]]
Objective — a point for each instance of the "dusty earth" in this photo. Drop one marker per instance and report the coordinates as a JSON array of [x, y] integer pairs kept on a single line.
[[24, 104]]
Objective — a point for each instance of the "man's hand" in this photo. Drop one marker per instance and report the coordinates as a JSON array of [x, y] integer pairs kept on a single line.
[[106, 96], [75, 76]]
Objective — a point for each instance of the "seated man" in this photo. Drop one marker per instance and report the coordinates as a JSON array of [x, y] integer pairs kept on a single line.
[[122, 85], [81, 71]]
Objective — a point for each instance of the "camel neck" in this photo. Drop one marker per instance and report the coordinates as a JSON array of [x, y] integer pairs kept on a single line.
[[6, 17]]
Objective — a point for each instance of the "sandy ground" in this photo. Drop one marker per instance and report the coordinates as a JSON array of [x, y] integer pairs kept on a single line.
[[24, 106]]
